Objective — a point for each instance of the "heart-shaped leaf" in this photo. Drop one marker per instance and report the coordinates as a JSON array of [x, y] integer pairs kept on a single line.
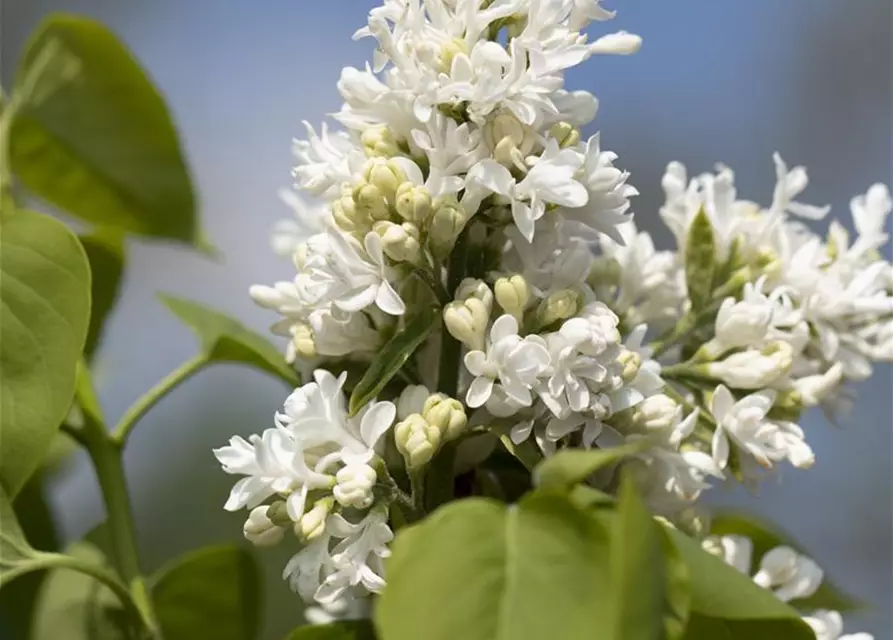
[[92, 135], [44, 315]]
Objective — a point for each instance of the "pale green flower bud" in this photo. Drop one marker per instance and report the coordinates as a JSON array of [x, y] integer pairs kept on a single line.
[[512, 294], [386, 175], [260, 530], [467, 322], [370, 203], [278, 513], [346, 214], [561, 305], [302, 339], [449, 50], [446, 224], [400, 242], [313, 523], [566, 134], [509, 138], [447, 414], [416, 440], [657, 412], [630, 361], [413, 203], [474, 288], [354, 486], [379, 142]]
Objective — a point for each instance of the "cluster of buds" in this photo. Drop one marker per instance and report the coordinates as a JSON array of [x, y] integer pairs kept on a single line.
[[438, 420], [467, 316]]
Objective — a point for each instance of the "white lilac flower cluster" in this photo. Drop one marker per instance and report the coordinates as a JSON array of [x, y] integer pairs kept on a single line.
[[789, 575], [460, 179]]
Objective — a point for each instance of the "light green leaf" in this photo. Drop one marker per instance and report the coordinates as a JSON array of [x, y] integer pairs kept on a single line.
[[74, 606], [44, 314], [700, 261], [105, 251], [722, 592], [35, 519], [348, 630], [15, 552], [479, 570], [702, 627], [765, 537], [226, 340], [637, 572], [572, 466], [210, 593], [678, 591], [92, 135], [393, 356]]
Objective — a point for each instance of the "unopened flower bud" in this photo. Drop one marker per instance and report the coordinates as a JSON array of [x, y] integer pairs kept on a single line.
[[507, 131], [313, 523], [379, 142], [412, 400], [474, 288], [467, 322], [346, 214], [386, 175], [400, 242], [278, 513], [657, 412], [416, 440], [302, 339], [512, 294], [260, 531], [447, 222], [449, 50], [447, 414], [561, 305], [413, 203], [630, 361], [753, 369], [566, 134], [371, 204], [354, 484], [812, 390]]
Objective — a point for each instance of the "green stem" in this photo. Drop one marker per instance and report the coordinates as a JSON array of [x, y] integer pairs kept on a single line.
[[106, 454], [142, 406], [417, 483]]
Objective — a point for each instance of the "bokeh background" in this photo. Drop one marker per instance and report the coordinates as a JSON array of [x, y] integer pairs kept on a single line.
[[715, 81]]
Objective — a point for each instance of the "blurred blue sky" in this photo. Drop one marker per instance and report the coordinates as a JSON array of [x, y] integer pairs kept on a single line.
[[715, 81]]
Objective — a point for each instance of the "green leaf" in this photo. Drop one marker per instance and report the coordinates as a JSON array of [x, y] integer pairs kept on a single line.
[[36, 522], [700, 261], [226, 340], [105, 251], [479, 570], [722, 592], [74, 606], [573, 466], [15, 552], [92, 135], [44, 314], [210, 593], [393, 356], [348, 630], [765, 537], [637, 572], [678, 591], [702, 627]]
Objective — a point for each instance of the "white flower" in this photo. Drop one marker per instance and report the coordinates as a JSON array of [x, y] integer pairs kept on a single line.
[[791, 184], [828, 625], [608, 201], [340, 271], [736, 551], [744, 323], [594, 331], [789, 574], [814, 389], [515, 362], [412, 400], [550, 181], [325, 161], [745, 423]]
